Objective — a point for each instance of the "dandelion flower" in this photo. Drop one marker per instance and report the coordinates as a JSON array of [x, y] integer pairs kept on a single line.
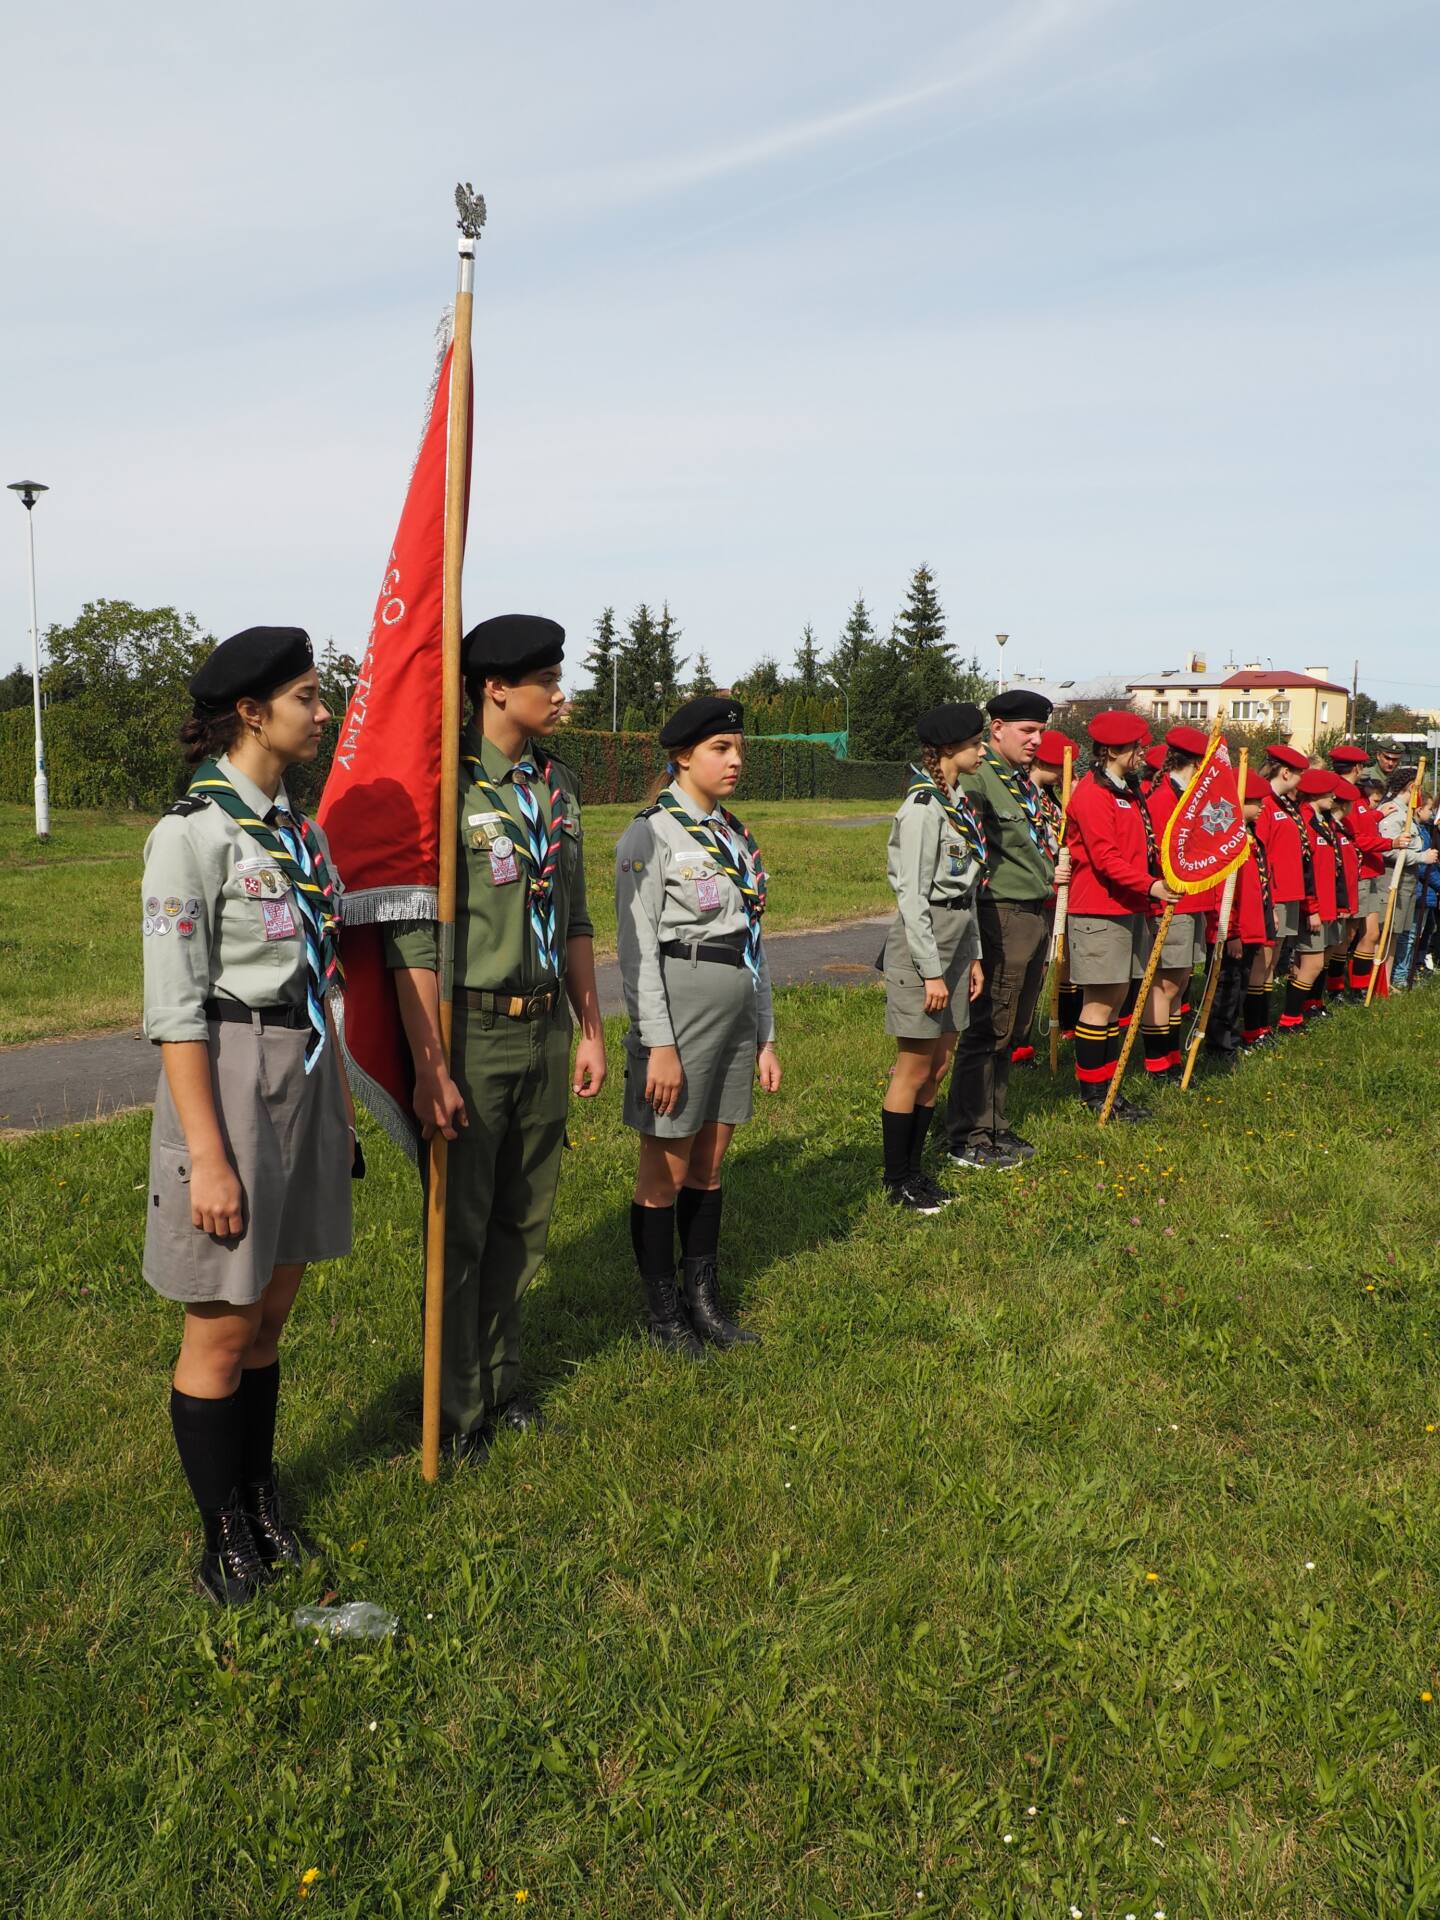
[[1427, 1697], [522, 1894], [310, 1876], [1152, 1576]]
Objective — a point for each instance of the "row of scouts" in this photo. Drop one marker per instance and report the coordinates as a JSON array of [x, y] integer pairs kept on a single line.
[[254, 1146]]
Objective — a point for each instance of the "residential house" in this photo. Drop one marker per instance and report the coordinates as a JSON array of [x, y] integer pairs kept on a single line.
[[1300, 707]]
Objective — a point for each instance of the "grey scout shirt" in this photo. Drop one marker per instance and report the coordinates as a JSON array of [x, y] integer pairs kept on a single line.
[[219, 919], [928, 863], [663, 878]]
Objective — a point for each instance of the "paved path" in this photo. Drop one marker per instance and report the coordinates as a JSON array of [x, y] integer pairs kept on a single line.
[[60, 1082]]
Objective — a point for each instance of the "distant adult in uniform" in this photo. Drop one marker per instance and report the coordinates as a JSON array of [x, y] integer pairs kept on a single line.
[[1024, 864], [935, 862], [689, 897], [523, 945], [252, 1145]]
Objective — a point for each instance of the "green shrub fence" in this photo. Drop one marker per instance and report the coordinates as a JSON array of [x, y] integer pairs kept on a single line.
[[93, 762]]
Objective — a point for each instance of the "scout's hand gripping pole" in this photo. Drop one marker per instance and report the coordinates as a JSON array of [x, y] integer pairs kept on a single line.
[[471, 208]]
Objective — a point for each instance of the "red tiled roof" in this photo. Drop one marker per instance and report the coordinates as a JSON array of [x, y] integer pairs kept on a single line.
[[1246, 680]]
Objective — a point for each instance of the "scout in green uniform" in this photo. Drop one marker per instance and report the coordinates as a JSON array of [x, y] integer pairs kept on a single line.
[[689, 895], [1025, 862], [253, 1141], [935, 862], [523, 943]]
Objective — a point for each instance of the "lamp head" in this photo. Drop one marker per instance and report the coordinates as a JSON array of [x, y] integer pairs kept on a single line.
[[29, 491]]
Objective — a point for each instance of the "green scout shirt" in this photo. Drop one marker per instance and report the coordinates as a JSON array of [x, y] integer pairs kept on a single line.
[[1019, 870], [219, 919], [494, 945]]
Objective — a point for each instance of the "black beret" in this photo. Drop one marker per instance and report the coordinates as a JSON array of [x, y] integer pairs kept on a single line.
[[1019, 704], [947, 726], [698, 719], [513, 643], [254, 662]]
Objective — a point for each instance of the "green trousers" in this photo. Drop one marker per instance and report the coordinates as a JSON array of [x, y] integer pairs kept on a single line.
[[503, 1171]]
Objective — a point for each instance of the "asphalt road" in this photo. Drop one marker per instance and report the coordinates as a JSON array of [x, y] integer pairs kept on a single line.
[[59, 1082]]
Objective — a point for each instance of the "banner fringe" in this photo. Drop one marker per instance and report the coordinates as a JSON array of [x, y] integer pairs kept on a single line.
[[387, 1114], [372, 906]]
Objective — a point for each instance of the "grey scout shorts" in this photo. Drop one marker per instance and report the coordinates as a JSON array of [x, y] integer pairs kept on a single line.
[[715, 1015], [1106, 948], [958, 940]]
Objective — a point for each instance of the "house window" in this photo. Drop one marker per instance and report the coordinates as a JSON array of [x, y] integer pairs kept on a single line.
[[1242, 709], [1194, 709], [1324, 713], [1282, 714], [1159, 710]]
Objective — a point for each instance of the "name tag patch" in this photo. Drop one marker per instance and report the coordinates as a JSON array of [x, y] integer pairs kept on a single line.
[[279, 920], [502, 867]]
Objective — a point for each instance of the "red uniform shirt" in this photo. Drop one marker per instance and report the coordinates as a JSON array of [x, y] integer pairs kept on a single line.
[[1109, 853], [1362, 823], [1250, 922], [1279, 834], [1321, 900], [1164, 799]]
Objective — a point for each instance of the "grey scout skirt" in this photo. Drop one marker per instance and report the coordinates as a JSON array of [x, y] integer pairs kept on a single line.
[[715, 1014], [958, 938], [288, 1140]]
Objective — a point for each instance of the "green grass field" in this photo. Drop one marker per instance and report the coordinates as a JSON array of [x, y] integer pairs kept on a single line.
[[1075, 1550], [70, 913]]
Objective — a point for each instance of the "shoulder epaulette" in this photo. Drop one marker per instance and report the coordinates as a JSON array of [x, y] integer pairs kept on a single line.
[[645, 812], [921, 799], [192, 803]]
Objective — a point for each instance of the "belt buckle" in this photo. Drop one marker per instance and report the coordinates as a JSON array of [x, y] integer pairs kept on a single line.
[[537, 1002]]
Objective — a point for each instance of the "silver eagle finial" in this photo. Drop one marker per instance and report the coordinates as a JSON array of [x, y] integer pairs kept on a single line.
[[471, 208]]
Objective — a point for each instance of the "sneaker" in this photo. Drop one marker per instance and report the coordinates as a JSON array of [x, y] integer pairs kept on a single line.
[[1010, 1142], [912, 1199], [923, 1184], [986, 1158], [1124, 1109]]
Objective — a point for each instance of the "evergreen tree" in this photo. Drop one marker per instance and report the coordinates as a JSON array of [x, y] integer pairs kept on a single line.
[[807, 662], [882, 706], [920, 634], [594, 705], [640, 663], [632, 721], [856, 640], [668, 670], [701, 680], [762, 682]]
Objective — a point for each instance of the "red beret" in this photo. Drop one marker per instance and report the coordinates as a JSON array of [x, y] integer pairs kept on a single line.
[[1188, 740], [1348, 756], [1316, 780], [1256, 788], [1345, 790], [1117, 728], [1288, 757], [1053, 747], [1155, 756]]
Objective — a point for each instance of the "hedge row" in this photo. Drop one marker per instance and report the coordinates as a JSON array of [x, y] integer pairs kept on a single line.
[[89, 766]]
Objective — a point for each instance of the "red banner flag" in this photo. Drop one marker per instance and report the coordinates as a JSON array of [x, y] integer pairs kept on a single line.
[[1204, 838], [380, 808]]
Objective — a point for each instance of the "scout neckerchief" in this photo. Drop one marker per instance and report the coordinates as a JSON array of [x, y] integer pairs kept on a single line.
[[958, 811], [1325, 830], [716, 842], [286, 836], [1022, 788], [1290, 807], [1130, 790], [1052, 819], [540, 845], [1262, 874]]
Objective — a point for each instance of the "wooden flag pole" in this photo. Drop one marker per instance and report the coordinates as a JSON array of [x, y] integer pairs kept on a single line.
[[457, 467], [1382, 952], [1151, 967], [1222, 934], [1062, 909]]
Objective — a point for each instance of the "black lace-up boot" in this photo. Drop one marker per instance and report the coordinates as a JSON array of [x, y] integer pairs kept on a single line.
[[231, 1570], [707, 1316]]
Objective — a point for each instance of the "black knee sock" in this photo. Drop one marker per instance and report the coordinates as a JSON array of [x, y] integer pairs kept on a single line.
[[210, 1439], [1294, 1014], [1156, 1042], [1256, 1015], [919, 1131], [1177, 1037], [1071, 1001], [652, 1234], [259, 1395], [1127, 1006], [1090, 1045], [895, 1133], [697, 1215]]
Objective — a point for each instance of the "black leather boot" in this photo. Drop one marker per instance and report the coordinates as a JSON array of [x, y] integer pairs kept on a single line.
[[707, 1316], [669, 1328], [276, 1541], [231, 1570]]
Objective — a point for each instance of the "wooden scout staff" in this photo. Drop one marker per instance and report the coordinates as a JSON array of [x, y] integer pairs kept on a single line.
[[1222, 933], [1204, 842], [1062, 909], [471, 207], [1382, 952]]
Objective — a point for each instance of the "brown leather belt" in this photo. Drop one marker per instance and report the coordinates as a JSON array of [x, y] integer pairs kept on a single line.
[[513, 1006]]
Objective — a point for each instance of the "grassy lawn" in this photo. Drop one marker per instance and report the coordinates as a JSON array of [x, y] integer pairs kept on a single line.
[[1076, 1549], [70, 910]]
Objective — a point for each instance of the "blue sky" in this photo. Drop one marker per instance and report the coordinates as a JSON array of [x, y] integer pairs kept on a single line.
[[1119, 314]]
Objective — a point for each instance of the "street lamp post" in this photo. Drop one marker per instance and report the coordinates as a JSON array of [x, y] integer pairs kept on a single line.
[[1000, 640], [615, 692], [29, 492]]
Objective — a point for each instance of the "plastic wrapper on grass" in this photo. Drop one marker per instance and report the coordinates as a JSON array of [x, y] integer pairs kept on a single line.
[[355, 1620]]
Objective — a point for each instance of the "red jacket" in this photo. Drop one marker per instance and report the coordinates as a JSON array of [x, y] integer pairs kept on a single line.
[[1248, 921], [1164, 799], [1280, 837], [1110, 867], [1362, 823], [1321, 900]]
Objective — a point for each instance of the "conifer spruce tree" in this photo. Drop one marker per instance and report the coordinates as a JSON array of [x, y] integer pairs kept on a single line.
[[701, 679], [807, 662], [856, 639], [594, 704]]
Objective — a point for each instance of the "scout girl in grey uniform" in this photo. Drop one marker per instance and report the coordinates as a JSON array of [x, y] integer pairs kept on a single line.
[[252, 1146], [690, 891], [935, 863]]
